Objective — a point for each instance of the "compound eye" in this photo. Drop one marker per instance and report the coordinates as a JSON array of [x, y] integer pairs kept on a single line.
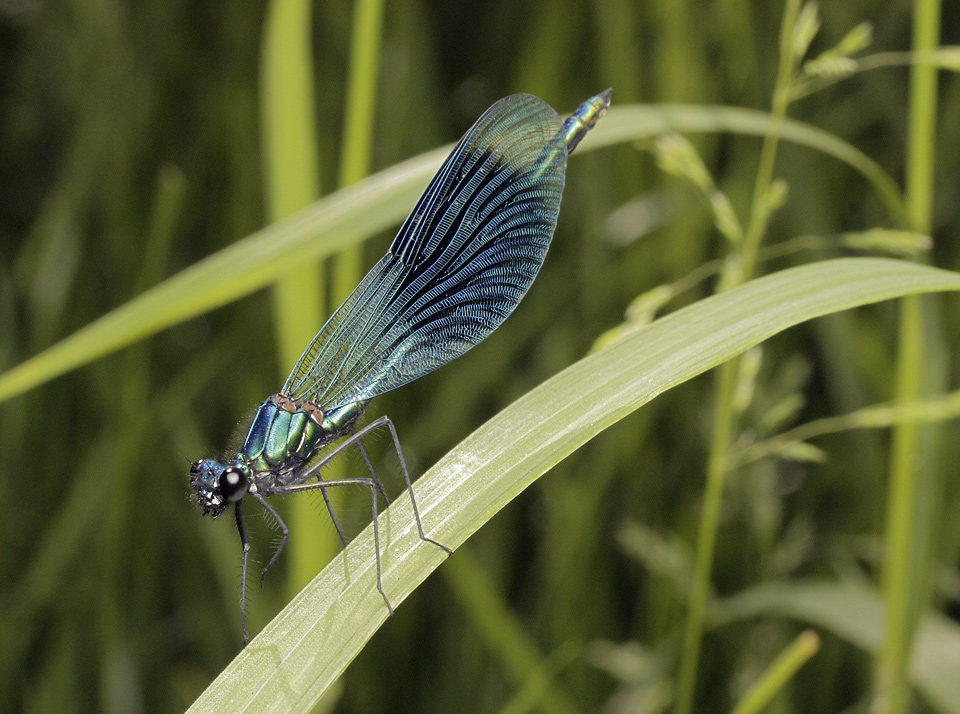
[[233, 484]]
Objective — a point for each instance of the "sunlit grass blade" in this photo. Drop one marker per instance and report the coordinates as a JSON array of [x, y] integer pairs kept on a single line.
[[293, 660], [326, 227]]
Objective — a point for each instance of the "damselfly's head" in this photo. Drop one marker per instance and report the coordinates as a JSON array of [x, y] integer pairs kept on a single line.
[[218, 485]]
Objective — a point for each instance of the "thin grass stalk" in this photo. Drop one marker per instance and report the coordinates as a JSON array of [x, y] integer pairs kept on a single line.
[[358, 119], [775, 678], [291, 181], [941, 58], [723, 419], [724, 416], [768, 153], [933, 409], [901, 565]]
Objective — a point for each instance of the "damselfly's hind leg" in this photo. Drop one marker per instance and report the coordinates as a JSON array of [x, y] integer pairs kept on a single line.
[[355, 439], [366, 459], [385, 420], [372, 482], [326, 496], [366, 483]]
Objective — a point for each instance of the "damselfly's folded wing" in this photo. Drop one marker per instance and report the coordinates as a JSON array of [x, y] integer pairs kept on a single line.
[[461, 262]]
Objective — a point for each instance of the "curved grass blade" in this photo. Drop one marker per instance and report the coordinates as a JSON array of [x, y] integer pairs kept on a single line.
[[627, 123], [352, 214], [293, 660]]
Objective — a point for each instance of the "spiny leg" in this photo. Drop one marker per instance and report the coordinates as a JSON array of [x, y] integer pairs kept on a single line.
[[283, 529], [406, 476], [363, 452], [326, 496], [315, 469], [243, 574], [333, 517], [372, 483]]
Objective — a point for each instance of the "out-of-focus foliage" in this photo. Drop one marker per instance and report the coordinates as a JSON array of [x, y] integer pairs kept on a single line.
[[130, 148]]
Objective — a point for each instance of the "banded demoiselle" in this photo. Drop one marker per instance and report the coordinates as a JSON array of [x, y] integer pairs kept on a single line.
[[461, 262]]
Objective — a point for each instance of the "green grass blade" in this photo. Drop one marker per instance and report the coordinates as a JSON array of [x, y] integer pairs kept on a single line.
[[292, 661], [358, 119], [291, 182], [326, 227], [364, 209], [912, 450]]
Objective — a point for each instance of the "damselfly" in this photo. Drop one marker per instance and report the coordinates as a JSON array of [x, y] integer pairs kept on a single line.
[[461, 262]]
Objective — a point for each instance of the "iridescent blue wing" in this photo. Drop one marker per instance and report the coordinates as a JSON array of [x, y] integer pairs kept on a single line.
[[461, 262]]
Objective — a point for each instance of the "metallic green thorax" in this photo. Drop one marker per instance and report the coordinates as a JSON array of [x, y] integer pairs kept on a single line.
[[284, 435], [283, 439]]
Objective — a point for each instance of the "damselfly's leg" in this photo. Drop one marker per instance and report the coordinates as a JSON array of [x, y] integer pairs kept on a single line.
[[333, 517], [373, 483], [406, 476], [243, 574], [283, 529], [366, 459], [326, 496], [355, 438], [367, 483]]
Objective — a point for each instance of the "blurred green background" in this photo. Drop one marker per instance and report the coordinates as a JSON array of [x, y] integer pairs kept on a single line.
[[133, 139]]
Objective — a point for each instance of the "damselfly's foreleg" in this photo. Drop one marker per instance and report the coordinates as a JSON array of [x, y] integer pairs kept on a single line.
[[283, 530], [243, 574]]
